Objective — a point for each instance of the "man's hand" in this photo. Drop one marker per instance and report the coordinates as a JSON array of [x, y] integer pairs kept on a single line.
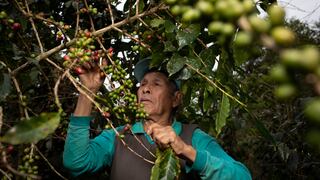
[[166, 137], [91, 78]]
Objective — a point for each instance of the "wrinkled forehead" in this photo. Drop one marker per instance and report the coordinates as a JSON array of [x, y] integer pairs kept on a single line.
[[155, 76], [160, 77]]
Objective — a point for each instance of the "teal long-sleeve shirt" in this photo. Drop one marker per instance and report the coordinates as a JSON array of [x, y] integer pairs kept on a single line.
[[82, 154]]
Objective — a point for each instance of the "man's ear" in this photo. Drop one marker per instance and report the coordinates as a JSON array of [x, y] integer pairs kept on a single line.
[[177, 99]]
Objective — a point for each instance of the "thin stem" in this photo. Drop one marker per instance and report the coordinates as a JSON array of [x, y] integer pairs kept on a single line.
[[129, 148], [194, 52], [133, 38], [34, 28], [5, 174], [4, 156], [137, 7], [145, 24], [50, 165], [75, 83], [56, 95], [215, 85], [140, 142], [77, 21], [100, 31], [110, 11], [16, 84], [6, 164]]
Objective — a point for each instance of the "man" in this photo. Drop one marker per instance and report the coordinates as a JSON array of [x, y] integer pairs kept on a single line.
[[200, 154]]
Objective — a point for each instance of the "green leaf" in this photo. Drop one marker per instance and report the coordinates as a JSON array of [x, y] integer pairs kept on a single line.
[[175, 64], [166, 166], [157, 59], [187, 36], [240, 56], [141, 6], [32, 130], [263, 130], [184, 74], [33, 60], [209, 55], [129, 4], [169, 47], [18, 54], [34, 73], [207, 101], [5, 86], [169, 27], [194, 62], [186, 90], [223, 113], [156, 22], [68, 4]]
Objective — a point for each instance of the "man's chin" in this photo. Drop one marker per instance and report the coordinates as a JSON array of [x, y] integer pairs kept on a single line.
[[148, 111]]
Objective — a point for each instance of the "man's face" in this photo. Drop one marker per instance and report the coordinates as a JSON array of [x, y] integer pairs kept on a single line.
[[156, 94]]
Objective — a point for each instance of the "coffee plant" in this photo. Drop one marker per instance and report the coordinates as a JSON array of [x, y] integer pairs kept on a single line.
[[248, 77]]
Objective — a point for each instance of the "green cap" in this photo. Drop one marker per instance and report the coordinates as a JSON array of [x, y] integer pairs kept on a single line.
[[143, 66]]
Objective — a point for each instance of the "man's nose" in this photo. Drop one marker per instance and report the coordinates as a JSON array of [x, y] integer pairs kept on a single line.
[[146, 89]]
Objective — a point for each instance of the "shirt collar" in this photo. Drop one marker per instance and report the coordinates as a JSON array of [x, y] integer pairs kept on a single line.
[[138, 127]]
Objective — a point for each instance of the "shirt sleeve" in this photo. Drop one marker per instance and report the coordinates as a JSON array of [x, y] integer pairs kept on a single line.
[[212, 162], [82, 154]]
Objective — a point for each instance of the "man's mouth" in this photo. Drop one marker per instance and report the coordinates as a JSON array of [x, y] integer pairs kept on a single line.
[[144, 100]]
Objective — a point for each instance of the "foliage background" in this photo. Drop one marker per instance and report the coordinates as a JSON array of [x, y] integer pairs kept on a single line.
[[268, 135]]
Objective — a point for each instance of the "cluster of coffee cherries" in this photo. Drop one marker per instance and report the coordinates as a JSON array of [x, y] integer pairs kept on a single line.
[[60, 36], [83, 51], [223, 14], [91, 10], [305, 60], [28, 164], [7, 21], [226, 16], [124, 102]]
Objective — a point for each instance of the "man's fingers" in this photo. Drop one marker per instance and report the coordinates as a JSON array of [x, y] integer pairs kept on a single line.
[[93, 65], [79, 70], [87, 65], [103, 62]]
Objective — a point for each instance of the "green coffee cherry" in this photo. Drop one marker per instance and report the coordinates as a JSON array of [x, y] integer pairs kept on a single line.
[[285, 91], [205, 7], [235, 10], [248, 6], [191, 15], [243, 39], [276, 14], [258, 24], [291, 58], [228, 29], [283, 36], [279, 73], [311, 58], [3, 15], [215, 27], [176, 10], [312, 110], [307, 58]]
